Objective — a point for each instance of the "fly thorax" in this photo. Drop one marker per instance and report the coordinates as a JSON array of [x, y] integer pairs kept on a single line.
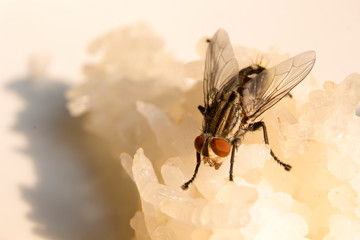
[[227, 114]]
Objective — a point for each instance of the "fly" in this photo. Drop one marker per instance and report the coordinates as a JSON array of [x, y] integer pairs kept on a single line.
[[234, 100]]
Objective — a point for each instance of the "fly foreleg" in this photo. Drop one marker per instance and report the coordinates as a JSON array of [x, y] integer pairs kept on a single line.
[[256, 126], [198, 161]]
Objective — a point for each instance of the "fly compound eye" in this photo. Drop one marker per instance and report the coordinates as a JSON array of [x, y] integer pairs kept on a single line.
[[220, 147], [198, 143]]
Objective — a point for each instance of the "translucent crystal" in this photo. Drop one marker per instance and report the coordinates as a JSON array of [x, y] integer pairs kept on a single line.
[[343, 227], [137, 96], [244, 210], [343, 198]]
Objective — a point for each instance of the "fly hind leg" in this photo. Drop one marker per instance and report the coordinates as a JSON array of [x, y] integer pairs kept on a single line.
[[256, 126]]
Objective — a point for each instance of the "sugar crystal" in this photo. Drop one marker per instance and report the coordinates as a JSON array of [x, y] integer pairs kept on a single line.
[[139, 99]]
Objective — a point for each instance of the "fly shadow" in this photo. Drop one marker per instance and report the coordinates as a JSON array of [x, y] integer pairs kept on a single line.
[[79, 191]]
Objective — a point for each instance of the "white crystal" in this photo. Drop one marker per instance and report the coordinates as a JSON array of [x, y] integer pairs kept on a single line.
[[158, 122], [172, 174], [137, 95], [243, 210], [126, 163], [143, 172], [138, 224], [343, 227], [343, 198]]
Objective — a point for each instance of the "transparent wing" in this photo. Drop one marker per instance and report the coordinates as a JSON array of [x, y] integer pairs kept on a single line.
[[220, 66], [271, 85]]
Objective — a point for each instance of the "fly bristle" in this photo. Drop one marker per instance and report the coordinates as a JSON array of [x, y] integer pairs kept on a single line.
[[259, 62]]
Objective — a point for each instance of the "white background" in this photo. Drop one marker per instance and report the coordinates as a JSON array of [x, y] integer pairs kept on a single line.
[[61, 30]]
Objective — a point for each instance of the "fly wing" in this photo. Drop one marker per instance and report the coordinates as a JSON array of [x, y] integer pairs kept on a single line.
[[220, 66], [271, 85]]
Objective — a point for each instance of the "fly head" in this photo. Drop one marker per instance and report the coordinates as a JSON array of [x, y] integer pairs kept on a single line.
[[212, 149]]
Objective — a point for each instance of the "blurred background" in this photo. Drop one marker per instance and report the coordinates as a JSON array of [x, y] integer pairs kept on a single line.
[[58, 181]]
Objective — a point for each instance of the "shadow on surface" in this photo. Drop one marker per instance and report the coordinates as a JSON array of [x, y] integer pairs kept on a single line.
[[81, 190]]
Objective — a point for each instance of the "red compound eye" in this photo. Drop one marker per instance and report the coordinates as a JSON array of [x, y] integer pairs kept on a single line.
[[220, 146], [198, 143]]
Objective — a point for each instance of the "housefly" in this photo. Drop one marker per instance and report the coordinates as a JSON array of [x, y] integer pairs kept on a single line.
[[234, 100]]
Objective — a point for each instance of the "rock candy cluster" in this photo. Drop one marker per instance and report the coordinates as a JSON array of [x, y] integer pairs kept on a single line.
[[153, 112]]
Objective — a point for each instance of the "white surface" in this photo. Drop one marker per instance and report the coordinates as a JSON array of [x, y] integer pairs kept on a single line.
[[63, 29]]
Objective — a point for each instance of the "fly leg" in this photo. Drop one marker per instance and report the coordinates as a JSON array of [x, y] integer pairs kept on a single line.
[[232, 162], [201, 109], [198, 161], [235, 144], [256, 126]]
